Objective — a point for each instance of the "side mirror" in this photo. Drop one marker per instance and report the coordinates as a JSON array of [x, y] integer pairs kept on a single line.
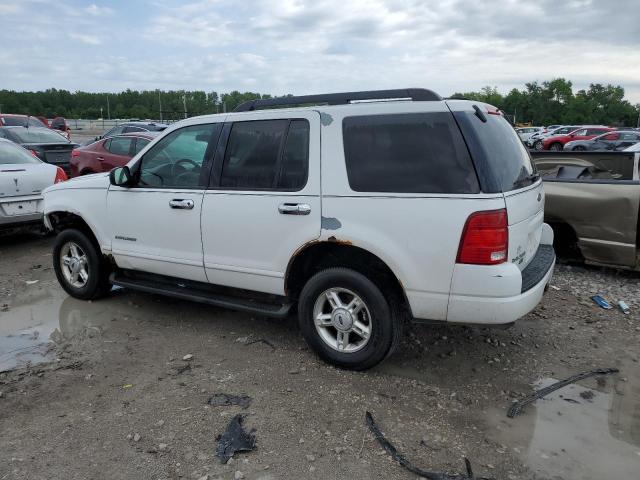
[[120, 177]]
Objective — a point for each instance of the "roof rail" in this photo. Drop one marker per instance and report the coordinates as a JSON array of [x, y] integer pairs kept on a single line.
[[414, 94]]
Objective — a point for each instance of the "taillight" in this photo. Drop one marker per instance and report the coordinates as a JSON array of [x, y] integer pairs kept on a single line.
[[34, 153], [60, 176], [75, 153], [485, 238]]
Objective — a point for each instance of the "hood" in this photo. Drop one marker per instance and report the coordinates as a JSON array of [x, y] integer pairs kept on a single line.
[[94, 181]]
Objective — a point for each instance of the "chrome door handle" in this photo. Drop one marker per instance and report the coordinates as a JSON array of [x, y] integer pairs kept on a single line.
[[100, 158], [181, 204], [294, 209]]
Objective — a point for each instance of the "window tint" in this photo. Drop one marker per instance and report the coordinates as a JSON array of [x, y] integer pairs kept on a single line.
[[120, 146], [292, 172], [408, 153], [38, 135], [114, 131], [11, 153], [140, 144], [14, 121], [252, 154], [580, 133], [177, 159], [504, 164], [595, 131], [34, 122]]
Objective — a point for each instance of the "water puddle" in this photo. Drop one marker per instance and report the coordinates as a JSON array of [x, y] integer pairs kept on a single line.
[[35, 321], [578, 432]]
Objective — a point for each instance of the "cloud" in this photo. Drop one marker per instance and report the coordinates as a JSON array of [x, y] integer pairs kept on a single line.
[[312, 46], [84, 38]]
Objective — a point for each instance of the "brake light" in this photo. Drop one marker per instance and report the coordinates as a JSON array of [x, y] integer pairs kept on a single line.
[[491, 110], [34, 153], [485, 238], [75, 153], [60, 176]]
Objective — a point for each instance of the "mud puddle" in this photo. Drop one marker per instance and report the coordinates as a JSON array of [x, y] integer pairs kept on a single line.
[[583, 431], [37, 320]]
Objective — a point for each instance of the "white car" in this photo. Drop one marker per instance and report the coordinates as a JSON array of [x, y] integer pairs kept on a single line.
[[358, 214], [633, 148], [22, 179], [525, 133]]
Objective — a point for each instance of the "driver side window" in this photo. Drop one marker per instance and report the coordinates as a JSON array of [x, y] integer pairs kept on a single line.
[[177, 159]]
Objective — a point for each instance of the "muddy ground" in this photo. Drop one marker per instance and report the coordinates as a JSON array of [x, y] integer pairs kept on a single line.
[[114, 398]]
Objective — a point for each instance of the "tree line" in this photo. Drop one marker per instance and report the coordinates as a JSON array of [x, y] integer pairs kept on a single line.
[[554, 102], [546, 103]]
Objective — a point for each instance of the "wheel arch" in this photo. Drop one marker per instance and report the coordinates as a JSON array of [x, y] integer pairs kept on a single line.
[[60, 220], [319, 255]]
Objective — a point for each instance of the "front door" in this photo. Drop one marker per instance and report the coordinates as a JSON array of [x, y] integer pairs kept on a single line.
[[155, 224], [264, 199]]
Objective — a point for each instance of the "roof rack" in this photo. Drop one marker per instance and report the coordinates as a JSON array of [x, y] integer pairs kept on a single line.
[[414, 94]]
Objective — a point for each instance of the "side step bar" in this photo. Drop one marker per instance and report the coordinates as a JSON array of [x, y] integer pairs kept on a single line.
[[201, 296]]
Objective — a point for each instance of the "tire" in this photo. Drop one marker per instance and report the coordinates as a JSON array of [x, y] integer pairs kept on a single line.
[[538, 145], [75, 246], [383, 323], [579, 148], [556, 147]]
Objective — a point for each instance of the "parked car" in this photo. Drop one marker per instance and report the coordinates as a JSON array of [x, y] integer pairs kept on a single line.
[[22, 179], [106, 154], [633, 148], [388, 215], [133, 127], [616, 140], [14, 120], [48, 145], [526, 132], [557, 142], [60, 124], [535, 141], [592, 204]]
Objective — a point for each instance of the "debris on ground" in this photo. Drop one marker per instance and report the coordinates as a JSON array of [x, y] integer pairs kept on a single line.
[[188, 357], [587, 394], [599, 300], [516, 407], [261, 340], [183, 369], [624, 308], [398, 457], [235, 439], [224, 400]]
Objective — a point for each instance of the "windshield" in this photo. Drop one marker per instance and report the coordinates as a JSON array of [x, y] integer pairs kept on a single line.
[[11, 154], [496, 148], [38, 135]]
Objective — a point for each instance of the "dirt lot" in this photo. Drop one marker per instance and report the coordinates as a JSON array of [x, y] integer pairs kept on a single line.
[[115, 399]]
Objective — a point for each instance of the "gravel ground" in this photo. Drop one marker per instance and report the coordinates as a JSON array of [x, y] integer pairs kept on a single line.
[[115, 399]]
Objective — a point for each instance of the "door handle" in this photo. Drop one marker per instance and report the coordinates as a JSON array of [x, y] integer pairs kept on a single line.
[[181, 204], [100, 158], [294, 209]]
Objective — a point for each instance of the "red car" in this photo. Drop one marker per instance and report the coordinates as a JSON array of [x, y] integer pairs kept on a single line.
[[106, 154], [557, 142]]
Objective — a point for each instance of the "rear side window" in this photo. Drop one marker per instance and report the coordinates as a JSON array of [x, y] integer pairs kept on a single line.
[[120, 146], [133, 129], [140, 144], [502, 160], [266, 155], [407, 153], [11, 154]]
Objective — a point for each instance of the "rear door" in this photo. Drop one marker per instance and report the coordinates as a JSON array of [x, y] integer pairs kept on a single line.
[[504, 165], [118, 151], [263, 203]]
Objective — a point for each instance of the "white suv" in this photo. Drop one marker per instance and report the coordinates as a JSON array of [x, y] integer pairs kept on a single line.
[[370, 209]]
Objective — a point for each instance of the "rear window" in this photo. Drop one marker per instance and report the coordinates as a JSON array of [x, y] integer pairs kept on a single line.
[[11, 154], [38, 135], [14, 121], [407, 153], [503, 163]]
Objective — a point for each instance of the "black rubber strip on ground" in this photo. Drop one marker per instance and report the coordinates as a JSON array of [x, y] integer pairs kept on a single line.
[[516, 408], [398, 457]]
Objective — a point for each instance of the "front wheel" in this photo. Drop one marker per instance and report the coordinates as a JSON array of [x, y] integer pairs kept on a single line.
[[579, 148], [347, 320], [538, 145], [79, 265]]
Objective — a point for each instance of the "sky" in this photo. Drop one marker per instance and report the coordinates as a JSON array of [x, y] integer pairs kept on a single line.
[[317, 46]]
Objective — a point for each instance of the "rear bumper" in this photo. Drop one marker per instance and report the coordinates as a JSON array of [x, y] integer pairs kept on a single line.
[[501, 294], [15, 220]]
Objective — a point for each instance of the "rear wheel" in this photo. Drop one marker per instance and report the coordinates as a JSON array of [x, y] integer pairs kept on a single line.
[[79, 265], [347, 320], [555, 147], [538, 145]]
